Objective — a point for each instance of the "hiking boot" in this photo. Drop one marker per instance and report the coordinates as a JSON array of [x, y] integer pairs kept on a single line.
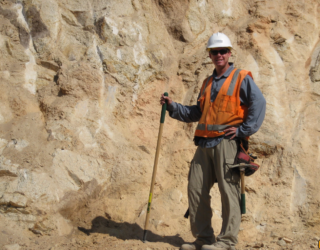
[[191, 246], [217, 246]]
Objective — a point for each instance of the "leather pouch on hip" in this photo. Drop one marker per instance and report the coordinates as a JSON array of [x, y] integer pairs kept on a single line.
[[243, 156]]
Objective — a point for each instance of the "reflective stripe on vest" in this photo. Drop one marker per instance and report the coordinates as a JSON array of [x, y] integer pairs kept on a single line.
[[233, 82], [225, 111], [219, 128]]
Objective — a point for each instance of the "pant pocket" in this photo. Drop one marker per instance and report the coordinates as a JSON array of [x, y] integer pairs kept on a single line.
[[195, 179], [231, 174]]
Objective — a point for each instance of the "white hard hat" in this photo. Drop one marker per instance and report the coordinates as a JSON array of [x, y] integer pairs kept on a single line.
[[219, 40]]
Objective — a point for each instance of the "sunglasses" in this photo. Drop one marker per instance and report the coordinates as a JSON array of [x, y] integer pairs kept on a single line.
[[221, 51]]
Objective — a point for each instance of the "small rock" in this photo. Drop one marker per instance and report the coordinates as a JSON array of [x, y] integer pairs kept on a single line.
[[258, 245], [15, 200], [12, 247], [287, 240], [245, 217], [263, 224], [281, 242], [35, 231]]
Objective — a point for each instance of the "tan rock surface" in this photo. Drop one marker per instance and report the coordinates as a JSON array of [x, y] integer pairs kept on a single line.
[[80, 83]]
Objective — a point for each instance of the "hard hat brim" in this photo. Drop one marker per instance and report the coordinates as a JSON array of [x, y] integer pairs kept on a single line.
[[213, 47]]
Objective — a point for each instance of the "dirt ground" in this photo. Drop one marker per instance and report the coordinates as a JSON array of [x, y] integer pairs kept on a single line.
[[116, 239], [102, 232]]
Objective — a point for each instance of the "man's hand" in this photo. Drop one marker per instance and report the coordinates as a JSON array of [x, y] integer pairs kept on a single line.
[[166, 99], [231, 131]]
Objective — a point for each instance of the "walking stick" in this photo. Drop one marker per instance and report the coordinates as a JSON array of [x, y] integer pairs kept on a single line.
[[163, 114]]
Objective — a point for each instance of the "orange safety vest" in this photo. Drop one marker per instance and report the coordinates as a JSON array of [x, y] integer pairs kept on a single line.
[[226, 110]]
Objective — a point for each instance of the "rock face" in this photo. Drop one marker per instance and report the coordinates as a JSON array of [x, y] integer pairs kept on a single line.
[[80, 85]]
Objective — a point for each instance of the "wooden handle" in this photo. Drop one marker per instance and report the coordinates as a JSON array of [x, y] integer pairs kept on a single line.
[[155, 166]]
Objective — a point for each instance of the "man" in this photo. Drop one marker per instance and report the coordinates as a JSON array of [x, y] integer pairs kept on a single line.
[[230, 107]]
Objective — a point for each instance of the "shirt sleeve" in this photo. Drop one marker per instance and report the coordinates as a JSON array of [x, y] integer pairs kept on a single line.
[[251, 96], [185, 113]]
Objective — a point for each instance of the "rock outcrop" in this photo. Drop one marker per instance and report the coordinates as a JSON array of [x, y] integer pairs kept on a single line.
[[80, 86]]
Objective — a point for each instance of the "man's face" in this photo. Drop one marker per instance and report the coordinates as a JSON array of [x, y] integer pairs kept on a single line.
[[221, 59]]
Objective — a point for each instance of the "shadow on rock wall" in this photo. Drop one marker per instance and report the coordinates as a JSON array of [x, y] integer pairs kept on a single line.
[[127, 231]]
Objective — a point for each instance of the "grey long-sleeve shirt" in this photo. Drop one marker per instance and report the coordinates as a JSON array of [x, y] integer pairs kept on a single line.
[[250, 96]]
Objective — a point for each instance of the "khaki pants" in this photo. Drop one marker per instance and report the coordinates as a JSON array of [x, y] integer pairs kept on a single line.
[[208, 165]]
